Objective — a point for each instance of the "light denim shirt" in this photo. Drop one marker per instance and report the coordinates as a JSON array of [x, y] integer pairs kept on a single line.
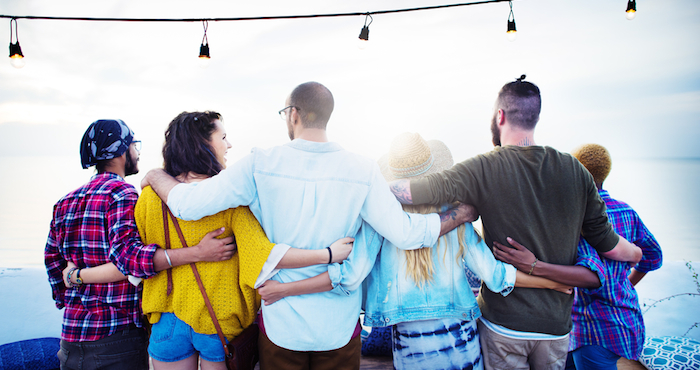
[[393, 297], [310, 194]]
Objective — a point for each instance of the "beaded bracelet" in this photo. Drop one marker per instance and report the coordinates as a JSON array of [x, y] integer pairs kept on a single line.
[[70, 273], [532, 267]]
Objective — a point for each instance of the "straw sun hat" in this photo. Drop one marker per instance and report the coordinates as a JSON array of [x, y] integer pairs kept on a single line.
[[410, 156]]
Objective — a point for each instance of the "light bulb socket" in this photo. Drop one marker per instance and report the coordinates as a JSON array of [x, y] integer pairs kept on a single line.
[[511, 26], [204, 51], [16, 50], [631, 6], [364, 34]]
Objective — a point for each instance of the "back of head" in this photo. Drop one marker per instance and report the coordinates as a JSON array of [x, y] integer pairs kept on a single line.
[[596, 159], [315, 103], [103, 140], [412, 157], [521, 102], [187, 145]]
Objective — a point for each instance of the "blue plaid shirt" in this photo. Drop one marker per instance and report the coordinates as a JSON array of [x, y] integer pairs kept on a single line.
[[610, 316]]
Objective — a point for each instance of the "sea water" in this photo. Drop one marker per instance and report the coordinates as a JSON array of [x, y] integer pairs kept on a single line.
[[663, 191]]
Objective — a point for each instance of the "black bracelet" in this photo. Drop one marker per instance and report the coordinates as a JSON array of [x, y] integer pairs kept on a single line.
[[330, 255]]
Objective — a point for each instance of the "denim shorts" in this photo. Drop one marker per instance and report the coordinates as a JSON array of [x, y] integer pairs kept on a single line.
[[173, 340]]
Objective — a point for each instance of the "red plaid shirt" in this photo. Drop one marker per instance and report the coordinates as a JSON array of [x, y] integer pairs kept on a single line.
[[91, 226]]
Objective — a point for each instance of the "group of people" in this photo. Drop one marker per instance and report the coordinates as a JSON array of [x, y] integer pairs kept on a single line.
[[319, 234]]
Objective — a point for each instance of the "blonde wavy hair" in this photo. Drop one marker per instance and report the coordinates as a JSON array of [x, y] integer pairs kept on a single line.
[[419, 262]]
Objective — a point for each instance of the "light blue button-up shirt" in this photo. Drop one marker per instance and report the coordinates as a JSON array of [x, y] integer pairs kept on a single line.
[[310, 194]]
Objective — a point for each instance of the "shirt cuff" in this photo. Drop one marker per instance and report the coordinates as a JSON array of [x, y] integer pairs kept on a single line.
[[591, 265], [646, 266], [270, 269], [509, 280], [335, 275], [145, 266]]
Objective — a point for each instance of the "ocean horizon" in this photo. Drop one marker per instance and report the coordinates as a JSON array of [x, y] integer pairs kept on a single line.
[[663, 191]]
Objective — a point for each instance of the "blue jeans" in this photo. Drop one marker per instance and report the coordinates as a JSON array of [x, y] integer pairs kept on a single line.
[[592, 357], [125, 349]]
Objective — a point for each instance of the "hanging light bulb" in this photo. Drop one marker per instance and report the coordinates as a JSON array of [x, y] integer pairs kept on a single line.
[[511, 33], [204, 56], [16, 56], [631, 9], [364, 34]]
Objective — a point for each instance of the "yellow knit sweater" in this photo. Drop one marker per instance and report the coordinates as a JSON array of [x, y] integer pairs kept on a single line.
[[229, 284]]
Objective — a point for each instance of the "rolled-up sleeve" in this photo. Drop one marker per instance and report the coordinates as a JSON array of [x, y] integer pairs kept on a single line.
[[127, 251], [348, 276], [652, 257], [499, 277], [54, 265], [596, 228], [589, 258]]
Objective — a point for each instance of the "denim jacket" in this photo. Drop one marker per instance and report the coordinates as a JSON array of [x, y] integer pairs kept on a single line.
[[308, 195], [392, 297]]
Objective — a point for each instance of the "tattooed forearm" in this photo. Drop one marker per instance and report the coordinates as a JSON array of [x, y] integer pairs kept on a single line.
[[402, 191], [454, 217], [450, 214], [449, 220]]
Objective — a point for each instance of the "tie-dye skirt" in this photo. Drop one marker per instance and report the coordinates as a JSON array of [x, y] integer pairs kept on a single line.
[[436, 344]]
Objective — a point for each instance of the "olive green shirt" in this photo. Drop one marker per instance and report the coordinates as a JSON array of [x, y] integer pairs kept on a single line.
[[543, 199]]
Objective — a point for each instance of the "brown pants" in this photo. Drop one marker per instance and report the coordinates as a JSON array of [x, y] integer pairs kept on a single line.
[[504, 353], [273, 357]]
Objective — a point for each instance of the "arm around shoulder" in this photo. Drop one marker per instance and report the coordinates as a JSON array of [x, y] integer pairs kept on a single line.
[[209, 249], [105, 273], [272, 291], [524, 260], [161, 182], [624, 251]]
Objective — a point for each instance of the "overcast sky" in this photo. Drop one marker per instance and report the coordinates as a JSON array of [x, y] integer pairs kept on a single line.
[[632, 86]]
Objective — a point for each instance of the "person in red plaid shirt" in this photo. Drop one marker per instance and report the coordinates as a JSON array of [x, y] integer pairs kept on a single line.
[[102, 326]]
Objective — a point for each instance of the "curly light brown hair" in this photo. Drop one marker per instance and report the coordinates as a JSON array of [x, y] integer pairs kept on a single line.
[[596, 159]]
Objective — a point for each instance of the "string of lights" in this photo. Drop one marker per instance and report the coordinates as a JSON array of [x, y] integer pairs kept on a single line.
[[16, 56], [229, 19]]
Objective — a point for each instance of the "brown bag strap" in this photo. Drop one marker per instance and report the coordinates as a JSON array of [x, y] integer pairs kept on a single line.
[[166, 227], [199, 282]]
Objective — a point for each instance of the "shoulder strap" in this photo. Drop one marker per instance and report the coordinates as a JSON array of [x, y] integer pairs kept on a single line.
[[166, 228], [199, 282]]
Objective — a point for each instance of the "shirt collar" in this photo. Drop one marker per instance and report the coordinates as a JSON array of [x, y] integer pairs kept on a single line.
[[314, 146], [603, 193], [107, 175]]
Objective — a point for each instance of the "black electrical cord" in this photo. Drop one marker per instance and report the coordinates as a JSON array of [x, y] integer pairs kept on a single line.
[[228, 19]]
